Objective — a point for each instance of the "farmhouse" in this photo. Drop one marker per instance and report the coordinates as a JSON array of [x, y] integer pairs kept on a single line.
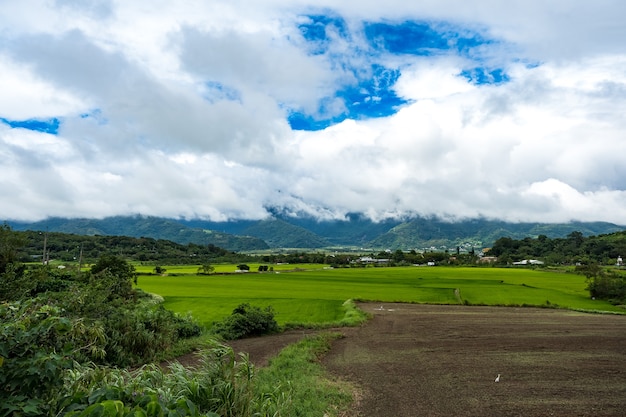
[[370, 260], [528, 262], [487, 259]]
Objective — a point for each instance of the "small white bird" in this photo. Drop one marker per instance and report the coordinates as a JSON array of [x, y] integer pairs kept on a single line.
[[498, 378]]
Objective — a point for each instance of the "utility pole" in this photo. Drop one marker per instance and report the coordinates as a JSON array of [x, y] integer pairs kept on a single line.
[[80, 259], [45, 243]]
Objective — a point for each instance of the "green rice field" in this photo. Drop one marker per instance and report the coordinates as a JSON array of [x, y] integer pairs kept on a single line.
[[316, 296]]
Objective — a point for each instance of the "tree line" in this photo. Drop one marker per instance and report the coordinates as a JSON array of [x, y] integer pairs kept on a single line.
[[64, 247], [571, 250], [590, 256]]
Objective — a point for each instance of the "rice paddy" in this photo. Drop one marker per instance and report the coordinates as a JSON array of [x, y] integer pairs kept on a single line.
[[316, 296]]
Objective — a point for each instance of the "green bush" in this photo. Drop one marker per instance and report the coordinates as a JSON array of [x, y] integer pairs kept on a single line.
[[604, 284], [114, 274], [186, 327], [245, 321]]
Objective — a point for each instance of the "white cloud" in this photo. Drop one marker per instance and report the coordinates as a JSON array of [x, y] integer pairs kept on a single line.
[[180, 109], [25, 96]]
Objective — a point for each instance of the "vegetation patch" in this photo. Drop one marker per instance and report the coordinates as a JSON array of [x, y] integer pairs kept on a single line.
[[246, 321]]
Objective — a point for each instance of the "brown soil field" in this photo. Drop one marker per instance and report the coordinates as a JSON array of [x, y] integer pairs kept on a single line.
[[427, 360]]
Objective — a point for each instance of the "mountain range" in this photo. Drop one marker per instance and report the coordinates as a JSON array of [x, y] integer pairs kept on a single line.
[[284, 231]]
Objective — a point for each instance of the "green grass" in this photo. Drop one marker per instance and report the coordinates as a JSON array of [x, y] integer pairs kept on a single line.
[[299, 383], [316, 296]]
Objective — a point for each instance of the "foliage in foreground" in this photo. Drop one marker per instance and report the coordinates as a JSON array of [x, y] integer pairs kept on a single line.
[[223, 384], [56, 321], [41, 343]]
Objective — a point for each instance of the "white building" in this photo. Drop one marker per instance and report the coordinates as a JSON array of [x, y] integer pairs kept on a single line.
[[528, 262]]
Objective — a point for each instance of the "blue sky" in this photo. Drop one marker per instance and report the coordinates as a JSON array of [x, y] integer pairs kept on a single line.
[[221, 109], [371, 92], [39, 125]]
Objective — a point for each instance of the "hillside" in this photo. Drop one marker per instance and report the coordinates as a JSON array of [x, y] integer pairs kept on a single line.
[[67, 247], [280, 234], [145, 226], [425, 233], [357, 230]]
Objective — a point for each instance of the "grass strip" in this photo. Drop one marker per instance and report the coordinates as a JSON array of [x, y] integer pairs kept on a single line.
[[295, 383], [352, 316]]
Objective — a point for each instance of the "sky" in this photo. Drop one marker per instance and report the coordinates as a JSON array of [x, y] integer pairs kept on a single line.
[[222, 110]]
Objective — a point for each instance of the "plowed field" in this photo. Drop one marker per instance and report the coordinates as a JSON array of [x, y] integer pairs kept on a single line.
[[427, 360]]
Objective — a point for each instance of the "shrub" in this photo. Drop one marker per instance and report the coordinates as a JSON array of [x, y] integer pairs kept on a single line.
[[114, 274], [605, 285], [245, 321], [186, 326]]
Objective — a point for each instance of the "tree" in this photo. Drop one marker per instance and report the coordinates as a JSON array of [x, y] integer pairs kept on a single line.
[[114, 274], [14, 282], [576, 238], [398, 255], [603, 285], [243, 267], [10, 245], [206, 269]]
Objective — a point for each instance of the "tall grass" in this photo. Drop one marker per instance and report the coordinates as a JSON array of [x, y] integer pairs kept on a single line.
[[223, 384], [295, 384]]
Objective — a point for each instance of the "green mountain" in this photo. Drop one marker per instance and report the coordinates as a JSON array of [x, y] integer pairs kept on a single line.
[[356, 230], [281, 234], [478, 233], [145, 226]]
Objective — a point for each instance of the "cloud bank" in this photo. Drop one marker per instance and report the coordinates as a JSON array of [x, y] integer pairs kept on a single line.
[[220, 110]]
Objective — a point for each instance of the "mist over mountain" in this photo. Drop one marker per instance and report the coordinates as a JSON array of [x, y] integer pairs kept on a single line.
[[355, 230], [287, 231]]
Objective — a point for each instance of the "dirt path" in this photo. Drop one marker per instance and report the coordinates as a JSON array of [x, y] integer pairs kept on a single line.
[[422, 360], [259, 349]]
